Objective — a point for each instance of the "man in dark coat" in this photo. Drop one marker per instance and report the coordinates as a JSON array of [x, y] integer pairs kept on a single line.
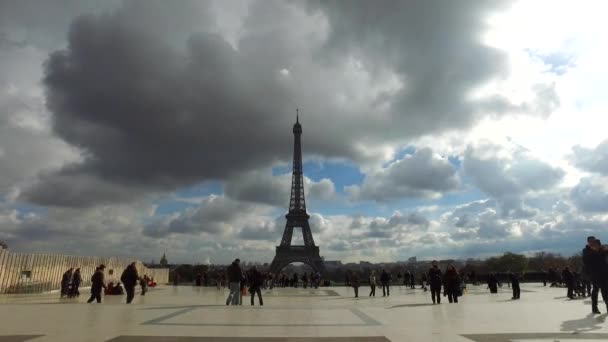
[[515, 277], [354, 282], [129, 278], [234, 281], [76, 280], [97, 284], [435, 282], [65, 282], [255, 283], [594, 260], [385, 279], [568, 278], [493, 283]]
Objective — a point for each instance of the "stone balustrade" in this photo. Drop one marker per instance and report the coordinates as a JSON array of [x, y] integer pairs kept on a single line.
[[37, 273]]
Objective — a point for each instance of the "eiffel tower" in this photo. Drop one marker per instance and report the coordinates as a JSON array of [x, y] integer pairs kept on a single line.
[[297, 217]]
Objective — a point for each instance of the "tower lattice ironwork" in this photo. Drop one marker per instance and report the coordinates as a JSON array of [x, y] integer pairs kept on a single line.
[[297, 217]]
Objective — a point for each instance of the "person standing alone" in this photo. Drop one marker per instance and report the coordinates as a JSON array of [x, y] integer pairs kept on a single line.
[[435, 282], [129, 278], [568, 278], [515, 284], [234, 282], [385, 278], [594, 259], [97, 284], [372, 284], [255, 283], [354, 282]]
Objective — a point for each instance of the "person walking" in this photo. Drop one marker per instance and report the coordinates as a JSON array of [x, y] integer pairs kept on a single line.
[[423, 281], [568, 278], [385, 279], [354, 282], [412, 280], [129, 278], [97, 284], [255, 282], [493, 283], [66, 279], [594, 260], [435, 282], [451, 284], [76, 280], [234, 282], [515, 277], [372, 284]]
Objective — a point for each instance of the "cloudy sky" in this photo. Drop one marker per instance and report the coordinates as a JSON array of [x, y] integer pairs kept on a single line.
[[431, 128]]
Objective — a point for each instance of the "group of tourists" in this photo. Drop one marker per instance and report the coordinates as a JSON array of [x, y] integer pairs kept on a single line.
[[239, 280], [71, 280], [450, 280], [385, 281], [253, 281], [271, 280]]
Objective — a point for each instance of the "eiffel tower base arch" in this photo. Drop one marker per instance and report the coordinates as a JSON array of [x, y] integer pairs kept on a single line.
[[308, 255]]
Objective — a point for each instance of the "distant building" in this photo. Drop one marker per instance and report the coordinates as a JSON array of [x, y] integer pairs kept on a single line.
[[163, 261], [333, 263], [3, 245], [412, 260]]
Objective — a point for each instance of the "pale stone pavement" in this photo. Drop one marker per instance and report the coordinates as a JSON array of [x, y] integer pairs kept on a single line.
[[188, 314]]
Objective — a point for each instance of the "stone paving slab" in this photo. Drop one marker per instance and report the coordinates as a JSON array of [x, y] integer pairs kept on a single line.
[[187, 313], [246, 339], [18, 338]]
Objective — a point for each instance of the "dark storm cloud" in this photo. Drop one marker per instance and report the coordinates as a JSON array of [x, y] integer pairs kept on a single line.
[[262, 187], [420, 175], [43, 23], [591, 194], [397, 223], [214, 215], [507, 174], [266, 231], [156, 99], [144, 114], [435, 47], [592, 160]]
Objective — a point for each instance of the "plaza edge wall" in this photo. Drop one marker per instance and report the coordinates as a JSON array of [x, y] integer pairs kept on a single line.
[[46, 270]]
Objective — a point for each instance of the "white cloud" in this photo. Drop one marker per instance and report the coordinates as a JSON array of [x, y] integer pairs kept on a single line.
[[422, 175]]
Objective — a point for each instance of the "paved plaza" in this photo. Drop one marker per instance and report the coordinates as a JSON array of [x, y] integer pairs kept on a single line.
[[184, 313]]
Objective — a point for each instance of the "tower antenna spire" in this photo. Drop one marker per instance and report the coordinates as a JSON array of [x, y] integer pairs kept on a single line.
[[297, 115]]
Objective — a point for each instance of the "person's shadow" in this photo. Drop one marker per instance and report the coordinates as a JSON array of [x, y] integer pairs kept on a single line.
[[590, 323]]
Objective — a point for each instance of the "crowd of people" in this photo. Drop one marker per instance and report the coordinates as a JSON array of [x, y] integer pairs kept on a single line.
[[70, 283], [592, 280], [451, 282], [71, 280]]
